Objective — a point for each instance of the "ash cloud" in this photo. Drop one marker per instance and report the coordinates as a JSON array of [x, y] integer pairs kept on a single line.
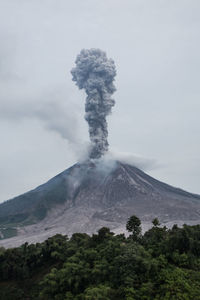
[[143, 163], [95, 73], [53, 114], [22, 99], [50, 110]]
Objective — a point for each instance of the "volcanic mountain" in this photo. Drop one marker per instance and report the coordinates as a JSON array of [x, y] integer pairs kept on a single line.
[[91, 195]]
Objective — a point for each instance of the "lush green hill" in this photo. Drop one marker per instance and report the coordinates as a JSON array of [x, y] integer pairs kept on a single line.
[[161, 264]]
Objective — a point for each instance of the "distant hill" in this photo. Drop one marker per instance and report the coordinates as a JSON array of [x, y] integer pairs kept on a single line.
[[90, 195]]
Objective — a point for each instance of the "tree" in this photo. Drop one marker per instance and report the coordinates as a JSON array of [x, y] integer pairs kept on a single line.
[[155, 222], [134, 225], [104, 233], [100, 292]]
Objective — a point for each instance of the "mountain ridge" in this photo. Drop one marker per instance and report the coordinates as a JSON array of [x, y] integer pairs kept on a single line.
[[92, 194]]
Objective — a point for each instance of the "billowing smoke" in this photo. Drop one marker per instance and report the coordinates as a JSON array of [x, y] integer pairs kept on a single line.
[[95, 73]]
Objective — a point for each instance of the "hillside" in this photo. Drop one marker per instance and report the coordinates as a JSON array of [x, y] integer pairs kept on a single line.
[[90, 195]]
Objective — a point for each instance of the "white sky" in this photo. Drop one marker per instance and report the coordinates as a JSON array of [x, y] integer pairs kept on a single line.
[[155, 45]]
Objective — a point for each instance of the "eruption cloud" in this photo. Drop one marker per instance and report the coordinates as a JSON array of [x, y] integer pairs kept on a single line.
[[95, 73]]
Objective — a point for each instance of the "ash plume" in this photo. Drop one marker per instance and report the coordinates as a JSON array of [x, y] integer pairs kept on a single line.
[[95, 73]]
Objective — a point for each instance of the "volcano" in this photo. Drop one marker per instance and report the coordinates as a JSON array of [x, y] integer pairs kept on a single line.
[[91, 195]]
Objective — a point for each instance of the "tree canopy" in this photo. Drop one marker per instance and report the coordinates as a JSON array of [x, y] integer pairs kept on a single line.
[[161, 264]]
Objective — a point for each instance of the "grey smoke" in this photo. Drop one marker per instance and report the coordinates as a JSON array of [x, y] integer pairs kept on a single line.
[[138, 161], [95, 73], [51, 109]]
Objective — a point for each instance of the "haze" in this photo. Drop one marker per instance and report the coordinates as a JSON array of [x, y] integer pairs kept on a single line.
[[155, 46]]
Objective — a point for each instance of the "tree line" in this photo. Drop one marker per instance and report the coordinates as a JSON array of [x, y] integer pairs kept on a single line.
[[160, 264]]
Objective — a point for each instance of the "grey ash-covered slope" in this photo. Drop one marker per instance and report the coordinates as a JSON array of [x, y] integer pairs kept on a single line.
[[88, 196]]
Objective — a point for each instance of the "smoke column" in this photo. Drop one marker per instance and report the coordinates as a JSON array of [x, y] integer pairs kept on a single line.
[[95, 73]]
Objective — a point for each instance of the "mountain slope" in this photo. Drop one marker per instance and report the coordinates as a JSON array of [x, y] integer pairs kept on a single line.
[[90, 195]]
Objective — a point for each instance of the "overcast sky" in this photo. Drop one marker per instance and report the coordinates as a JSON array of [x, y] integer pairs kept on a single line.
[[155, 46]]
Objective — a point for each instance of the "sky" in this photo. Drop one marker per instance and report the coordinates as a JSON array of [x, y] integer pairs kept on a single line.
[[155, 121]]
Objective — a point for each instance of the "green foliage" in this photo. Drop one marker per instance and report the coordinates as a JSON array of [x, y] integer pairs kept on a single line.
[[156, 222], [134, 226], [101, 292], [163, 264]]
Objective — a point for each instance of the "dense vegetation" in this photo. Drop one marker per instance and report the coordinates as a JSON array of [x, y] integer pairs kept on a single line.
[[161, 264]]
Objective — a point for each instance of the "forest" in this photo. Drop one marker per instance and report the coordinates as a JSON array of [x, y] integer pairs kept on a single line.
[[160, 264]]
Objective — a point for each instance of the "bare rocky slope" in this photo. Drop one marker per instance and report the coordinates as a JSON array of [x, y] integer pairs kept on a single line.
[[90, 195]]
